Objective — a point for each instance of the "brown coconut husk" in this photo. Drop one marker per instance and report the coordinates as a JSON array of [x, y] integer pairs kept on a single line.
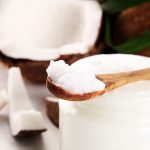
[[132, 22]]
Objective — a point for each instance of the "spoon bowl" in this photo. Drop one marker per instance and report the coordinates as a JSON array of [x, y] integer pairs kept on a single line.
[[63, 94]]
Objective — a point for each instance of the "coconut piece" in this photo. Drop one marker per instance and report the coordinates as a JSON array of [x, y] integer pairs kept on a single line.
[[3, 98], [24, 120], [49, 34], [132, 22], [74, 80], [52, 110]]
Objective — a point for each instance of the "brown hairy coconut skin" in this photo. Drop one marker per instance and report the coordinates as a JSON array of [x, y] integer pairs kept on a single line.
[[35, 71], [132, 22]]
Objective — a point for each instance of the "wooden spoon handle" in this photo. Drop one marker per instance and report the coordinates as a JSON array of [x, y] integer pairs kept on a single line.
[[113, 81]]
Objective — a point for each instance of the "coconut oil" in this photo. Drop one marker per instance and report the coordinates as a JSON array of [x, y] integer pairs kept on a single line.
[[118, 120]]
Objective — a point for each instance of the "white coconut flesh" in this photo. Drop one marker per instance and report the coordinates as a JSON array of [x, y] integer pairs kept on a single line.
[[3, 98], [79, 80], [44, 30], [22, 115]]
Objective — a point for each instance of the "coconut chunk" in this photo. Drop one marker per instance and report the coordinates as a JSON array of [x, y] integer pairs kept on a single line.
[[24, 120], [74, 80], [3, 98], [42, 30]]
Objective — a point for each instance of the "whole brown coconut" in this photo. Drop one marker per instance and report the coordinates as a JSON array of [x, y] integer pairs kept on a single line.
[[132, 22]]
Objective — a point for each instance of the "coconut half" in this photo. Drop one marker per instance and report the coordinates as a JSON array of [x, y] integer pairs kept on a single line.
[[24, 119], [39, 31]]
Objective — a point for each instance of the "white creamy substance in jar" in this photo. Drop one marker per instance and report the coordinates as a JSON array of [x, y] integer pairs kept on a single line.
[[118, 120]]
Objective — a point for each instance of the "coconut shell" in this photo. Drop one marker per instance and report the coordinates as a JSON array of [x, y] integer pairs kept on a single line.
[[131, 23]]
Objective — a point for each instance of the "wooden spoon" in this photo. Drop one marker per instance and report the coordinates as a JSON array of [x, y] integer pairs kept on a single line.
[[112, 81]]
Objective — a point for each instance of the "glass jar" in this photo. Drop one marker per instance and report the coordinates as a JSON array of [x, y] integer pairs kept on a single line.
[[118, 120]]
